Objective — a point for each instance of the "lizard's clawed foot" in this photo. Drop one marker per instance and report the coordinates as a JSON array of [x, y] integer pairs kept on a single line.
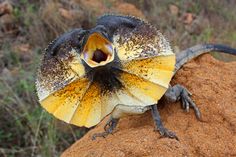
[[187, 102], [109, 127], [159, 126], [167, 133], [179, 92]]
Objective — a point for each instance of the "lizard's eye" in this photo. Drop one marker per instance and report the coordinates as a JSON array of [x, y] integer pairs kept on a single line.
[[98, 51]]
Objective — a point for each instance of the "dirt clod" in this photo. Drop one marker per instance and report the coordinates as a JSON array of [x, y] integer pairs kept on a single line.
[[5, 8]]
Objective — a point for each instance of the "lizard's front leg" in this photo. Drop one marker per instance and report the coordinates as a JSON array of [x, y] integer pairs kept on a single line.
[[118, 112], [159, 126], [179, 92]]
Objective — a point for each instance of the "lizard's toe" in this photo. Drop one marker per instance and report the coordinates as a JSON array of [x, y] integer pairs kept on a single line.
[[108, 128], [187, 102], [167, 133]]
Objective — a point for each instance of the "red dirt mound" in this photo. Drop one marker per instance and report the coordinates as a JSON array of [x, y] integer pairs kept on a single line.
[[213, 85]]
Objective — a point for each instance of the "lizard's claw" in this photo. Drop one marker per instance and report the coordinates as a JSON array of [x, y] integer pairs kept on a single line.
[[159, 126], [179, 92], [109, 127], [187, 102], [167, 133]]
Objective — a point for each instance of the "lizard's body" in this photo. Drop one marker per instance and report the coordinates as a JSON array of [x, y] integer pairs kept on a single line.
[[146, 43], [173, 94]]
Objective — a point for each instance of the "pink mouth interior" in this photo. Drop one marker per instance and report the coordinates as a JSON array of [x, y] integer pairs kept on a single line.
[[99, 56]]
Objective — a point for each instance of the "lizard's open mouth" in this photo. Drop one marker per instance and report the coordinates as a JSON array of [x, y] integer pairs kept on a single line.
[[97, 51]]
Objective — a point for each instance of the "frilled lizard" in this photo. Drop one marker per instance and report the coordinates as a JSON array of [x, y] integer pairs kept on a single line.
[[120, 67]]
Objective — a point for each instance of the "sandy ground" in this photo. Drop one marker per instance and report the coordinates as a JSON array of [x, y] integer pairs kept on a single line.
[[213, 85]]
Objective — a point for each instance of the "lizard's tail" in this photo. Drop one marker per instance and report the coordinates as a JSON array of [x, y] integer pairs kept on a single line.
[[192, 52]]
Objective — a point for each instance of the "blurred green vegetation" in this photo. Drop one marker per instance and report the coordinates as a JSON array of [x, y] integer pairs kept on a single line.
[[25, 128]]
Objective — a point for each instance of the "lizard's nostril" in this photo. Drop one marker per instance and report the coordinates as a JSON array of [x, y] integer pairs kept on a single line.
[[99, 56]]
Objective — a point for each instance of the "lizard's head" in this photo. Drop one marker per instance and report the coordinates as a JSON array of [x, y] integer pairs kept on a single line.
[[98, 49], [93, 46]]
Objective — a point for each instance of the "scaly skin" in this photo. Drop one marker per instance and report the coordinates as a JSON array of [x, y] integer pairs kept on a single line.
[[58, 56], [192, 52], [177, 92]]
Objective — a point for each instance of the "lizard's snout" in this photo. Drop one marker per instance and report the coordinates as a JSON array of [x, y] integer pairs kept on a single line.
[[98, 51]]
